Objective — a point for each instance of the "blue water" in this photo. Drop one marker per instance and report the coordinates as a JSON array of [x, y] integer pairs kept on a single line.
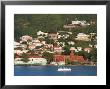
[[52, 71]]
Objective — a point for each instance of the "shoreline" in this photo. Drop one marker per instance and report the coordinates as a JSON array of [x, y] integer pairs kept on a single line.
[[49, 65]]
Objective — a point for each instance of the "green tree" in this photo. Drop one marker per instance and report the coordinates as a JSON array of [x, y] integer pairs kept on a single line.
[[66, 50], [24, 57], [93, 55], [67, 61], [48, 56]]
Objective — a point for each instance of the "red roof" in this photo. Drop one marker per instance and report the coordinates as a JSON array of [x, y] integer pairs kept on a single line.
[[59, 58], [72, 57], [29, 57], [17, 56], [79, 58]]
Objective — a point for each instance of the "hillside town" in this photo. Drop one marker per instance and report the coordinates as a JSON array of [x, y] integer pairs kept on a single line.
[[58, 48]]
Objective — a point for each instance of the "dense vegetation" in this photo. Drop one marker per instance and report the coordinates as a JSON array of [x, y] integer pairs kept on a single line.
[[29, 24]]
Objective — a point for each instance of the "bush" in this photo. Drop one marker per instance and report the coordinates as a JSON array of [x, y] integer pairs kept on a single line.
[[25, 59]]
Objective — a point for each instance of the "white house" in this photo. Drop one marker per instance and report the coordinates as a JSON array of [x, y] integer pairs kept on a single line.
[[16, 44], [82, 23], [82, 36], [32, 46], [24, 46], [79, 48], [54, 63], [58, 49], [32, 60], [71, 43], [61, 63], [26, 38], [88, 50], [69, 32], [37, 43], [40, 33], [37, 60], [19, 52], [43, 42], [35, 40]]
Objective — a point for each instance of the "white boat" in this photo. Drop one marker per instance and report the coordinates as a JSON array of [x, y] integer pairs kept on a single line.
[[64, 69]]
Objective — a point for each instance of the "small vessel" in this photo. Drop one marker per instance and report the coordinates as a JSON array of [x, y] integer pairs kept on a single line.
[[64, 69]]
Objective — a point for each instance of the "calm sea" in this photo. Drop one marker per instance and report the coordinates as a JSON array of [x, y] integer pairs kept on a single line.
[[52, 71]]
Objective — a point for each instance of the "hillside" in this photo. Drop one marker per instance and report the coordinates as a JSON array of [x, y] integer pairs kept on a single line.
[[30, 24]]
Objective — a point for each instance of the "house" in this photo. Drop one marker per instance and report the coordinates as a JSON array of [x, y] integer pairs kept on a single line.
[[18, 52], [81, 23], [37, 60], [95, 46], [61, 63], [25, 51], [24, 46], [59, 36], [35, 40], [82, 36], [65, 36], [79, 48], [76, 24], [90, 45], [53, 35], [69, 32], [93, 22], [41, 33], [59, 58], [53, 63], [75, 57], [88, 50], [57, 49], [43, 42], [32, 46], [71, 57], [71, 43], [26, 38], [70, 26], [32, 60], [17, 44]]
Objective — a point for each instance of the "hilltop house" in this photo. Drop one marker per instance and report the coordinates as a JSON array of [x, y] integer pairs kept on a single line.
[[76, 24], [26, 38], [88, 50], [70, 26], [82, 36], [41, 33], [81, 23]]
